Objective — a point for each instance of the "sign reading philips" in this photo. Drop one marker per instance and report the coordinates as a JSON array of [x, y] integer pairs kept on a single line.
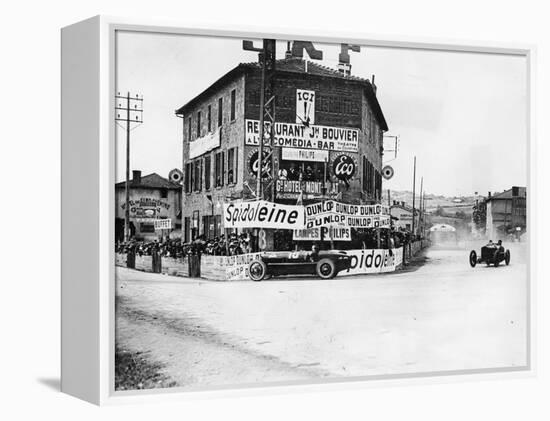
[[290, 135], [262, 214]]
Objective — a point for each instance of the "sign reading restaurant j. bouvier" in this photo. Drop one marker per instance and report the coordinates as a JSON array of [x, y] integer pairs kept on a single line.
[[290, 135]]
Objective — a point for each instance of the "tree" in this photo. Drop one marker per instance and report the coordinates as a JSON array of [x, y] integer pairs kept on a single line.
[[479, 215]]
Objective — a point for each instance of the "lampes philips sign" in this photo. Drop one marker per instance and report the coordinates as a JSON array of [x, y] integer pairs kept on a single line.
[[290, 135]]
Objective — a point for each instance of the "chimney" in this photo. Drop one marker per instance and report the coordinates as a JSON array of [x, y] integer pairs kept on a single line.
[[136, 177], [288, 52], [515, 191], [489, 195], [403, 204], [373, 85]]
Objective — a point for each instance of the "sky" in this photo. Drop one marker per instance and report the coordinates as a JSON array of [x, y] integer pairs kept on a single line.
[[463, 115]]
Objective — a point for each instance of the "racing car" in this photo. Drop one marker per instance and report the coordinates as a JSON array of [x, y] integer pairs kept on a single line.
[[491, 254], [324, 264]]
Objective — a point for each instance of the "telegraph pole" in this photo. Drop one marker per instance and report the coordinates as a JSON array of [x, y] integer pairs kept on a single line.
[[267, 106], [130, 112], [414, 193], [420, 211]]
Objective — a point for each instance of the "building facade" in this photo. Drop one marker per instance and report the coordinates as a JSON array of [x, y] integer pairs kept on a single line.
[[506, 212], [152, 197], [328, 142], [402, 216]]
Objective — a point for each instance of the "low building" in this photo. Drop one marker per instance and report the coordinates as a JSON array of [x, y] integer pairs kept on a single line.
[[507, 212], [402, 216], [152, 198]]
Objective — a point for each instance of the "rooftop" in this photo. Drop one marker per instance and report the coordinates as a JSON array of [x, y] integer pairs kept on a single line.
[[151, 181], [509, 194], [290, 66]]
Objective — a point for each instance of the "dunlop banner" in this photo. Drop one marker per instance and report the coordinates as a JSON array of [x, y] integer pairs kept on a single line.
[[334, 213], [236, 267]]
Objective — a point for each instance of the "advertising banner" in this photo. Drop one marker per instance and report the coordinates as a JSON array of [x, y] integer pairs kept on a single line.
[[290, 135], [373, 261], [236, 267], [332, 213], [262, 214], [204, 144], [295, 154], [291, 189], [327, 233]]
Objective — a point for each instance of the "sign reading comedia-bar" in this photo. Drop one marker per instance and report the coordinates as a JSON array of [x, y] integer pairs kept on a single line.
[[290, 135], [262, 214]]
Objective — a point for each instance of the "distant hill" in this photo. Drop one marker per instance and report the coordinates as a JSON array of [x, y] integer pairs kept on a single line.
[[449, 205]]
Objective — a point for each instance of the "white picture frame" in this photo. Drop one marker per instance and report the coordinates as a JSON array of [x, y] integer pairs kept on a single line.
[[88, 168]]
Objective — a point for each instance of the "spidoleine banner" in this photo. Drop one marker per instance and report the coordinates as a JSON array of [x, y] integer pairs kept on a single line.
[[330, 213], [371, 261]]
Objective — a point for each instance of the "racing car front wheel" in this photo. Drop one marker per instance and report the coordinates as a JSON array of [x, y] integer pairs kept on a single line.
[[326, 269], [507, 257], [473, 258], [257, 270]]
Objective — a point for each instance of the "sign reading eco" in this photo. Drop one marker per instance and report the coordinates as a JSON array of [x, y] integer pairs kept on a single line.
[[262, 214], [290, 135]]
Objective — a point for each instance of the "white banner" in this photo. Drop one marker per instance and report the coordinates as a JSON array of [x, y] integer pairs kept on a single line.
[[204, 144], [305, 155], [262, 214], [373, 261], [236, 267], [327, 233], [332, 213], [290, 135]]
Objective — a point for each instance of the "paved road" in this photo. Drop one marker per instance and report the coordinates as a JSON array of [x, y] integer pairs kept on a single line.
[[442, 316]]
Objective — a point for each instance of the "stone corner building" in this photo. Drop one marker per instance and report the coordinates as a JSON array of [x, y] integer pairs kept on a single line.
[[220, 138]]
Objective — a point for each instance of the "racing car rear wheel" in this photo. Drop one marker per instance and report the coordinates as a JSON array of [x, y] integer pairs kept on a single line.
[[257, 270], [507, 257], [473, 258], [326, 269]]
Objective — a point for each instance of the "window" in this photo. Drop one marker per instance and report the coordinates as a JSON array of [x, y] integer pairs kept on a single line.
[[189, 124], [232, 166], [209, 117], [144, 227], [233, 105], [163, 193], [198, 175], [199, 124], [188, 177], [220, 112], [207, 171], [219, 168]]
